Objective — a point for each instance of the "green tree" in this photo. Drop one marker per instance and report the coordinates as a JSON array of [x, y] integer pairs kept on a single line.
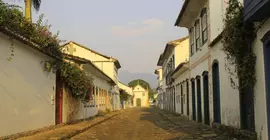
[[144, 84]]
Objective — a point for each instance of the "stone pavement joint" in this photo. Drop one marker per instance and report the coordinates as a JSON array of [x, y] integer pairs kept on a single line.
[[69, 131]]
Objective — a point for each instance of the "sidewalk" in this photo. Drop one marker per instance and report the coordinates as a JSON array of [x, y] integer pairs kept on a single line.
[[69, 131], [197, 130]]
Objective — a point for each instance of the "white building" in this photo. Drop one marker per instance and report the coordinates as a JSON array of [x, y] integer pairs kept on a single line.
[[214, 99], [175, 53], [257, 12], [27, 91], [182, 92], [159, 88], [108, 65], [128, 90], [100, 94]]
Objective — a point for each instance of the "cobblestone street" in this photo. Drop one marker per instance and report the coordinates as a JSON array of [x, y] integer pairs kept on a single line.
[[149, 124]]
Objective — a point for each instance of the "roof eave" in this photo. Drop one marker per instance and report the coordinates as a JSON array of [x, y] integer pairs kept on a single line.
[[160, 60], [181, 13], [179, 67]]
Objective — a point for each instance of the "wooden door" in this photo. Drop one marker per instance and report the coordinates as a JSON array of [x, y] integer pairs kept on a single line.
[[199, 99], [58, 99], [182, 101], [187, 88], [138, 102], [216, 92], [206, 98], [193, 100]]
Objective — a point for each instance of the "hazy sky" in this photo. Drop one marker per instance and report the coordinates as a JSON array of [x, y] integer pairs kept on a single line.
[[133, 31]]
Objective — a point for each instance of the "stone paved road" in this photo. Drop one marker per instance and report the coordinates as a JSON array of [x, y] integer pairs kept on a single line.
[[148, 124]]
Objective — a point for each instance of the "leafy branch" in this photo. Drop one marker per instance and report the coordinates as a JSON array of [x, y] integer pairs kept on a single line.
[[237, 45], [74, 78]]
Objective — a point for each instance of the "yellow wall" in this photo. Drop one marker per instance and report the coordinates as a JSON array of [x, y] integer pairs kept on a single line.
[[181, 52]]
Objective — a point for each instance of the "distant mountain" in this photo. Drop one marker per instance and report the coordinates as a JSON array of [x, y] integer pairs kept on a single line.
[[126, 77]]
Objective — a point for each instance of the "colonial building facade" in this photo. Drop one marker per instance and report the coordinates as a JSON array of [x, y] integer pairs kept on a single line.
[[257, 11], [175, 53], [214, 103], [159, 89], [202, 88], [108, 65]]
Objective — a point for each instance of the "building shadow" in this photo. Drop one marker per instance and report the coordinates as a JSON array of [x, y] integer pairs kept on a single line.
[[183, 129], [152, 114]]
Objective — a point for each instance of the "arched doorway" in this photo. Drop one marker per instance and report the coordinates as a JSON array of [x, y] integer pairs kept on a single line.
[[216, 92], [206, 98], [193, 99], [199, 99]]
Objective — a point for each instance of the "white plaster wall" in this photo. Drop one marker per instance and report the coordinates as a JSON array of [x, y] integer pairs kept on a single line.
[[25, 89], [260, 106], [197, 71], [86, 110], [216, 12], [182, 79], [229, 97]]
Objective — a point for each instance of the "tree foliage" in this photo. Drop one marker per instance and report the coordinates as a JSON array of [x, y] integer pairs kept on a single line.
[[39, 36], [237, 45], [124, 96]]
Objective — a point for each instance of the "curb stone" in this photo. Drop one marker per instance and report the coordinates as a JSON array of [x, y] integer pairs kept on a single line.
[[69, 131]]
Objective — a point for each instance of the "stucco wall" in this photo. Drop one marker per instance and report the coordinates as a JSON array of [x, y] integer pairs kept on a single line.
[[216, 12], [229, 96], [259, 89], [25, 89], [181, 78], [197, 70]]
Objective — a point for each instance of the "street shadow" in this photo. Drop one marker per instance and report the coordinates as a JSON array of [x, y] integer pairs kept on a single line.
[[153, 115]]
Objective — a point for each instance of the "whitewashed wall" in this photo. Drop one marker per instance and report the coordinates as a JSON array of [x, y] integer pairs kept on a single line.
[[25, 89], [229, 96], [181, 78], [260, 106], [74, 109]]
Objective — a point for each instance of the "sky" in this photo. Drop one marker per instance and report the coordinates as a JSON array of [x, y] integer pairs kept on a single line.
[[134, 32]]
